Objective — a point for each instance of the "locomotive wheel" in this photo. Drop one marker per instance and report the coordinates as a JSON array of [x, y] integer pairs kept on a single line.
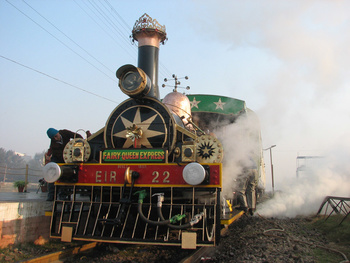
[[158, 129]]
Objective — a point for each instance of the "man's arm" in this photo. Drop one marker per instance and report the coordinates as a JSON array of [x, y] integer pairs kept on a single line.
[[48, 155], [71, 134]]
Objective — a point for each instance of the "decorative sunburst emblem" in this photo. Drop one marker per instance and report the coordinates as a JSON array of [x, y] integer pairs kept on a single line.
[[206, 150], [147, 129], [209, 149], [148, 122]]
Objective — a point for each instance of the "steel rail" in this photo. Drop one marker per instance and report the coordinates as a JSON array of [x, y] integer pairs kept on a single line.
[[60, 255]]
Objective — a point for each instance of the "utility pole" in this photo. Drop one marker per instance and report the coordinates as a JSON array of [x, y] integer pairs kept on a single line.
[[26, 178], [273, 183], [5, 172]]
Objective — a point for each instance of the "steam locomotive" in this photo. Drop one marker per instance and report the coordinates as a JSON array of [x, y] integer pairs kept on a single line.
[[154, 173]]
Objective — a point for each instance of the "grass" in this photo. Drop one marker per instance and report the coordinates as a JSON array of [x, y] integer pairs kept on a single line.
[[337, 235]]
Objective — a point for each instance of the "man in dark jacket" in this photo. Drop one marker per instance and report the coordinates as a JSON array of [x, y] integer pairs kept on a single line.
[[59, 139]]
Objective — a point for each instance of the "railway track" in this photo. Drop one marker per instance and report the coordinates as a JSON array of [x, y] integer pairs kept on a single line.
[[103, 252], [204, 253], [93, 250], [61, 255]]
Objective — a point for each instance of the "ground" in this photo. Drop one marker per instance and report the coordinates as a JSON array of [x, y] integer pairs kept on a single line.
[[250, 239], [259, 239]]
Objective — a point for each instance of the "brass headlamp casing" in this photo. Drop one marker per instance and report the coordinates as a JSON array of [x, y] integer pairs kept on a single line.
[[76, 150], [133, 81], [188, 152]]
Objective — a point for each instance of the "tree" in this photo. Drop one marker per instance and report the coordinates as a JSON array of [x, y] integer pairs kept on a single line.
[[13, 166], [11, 159], [37, 161]]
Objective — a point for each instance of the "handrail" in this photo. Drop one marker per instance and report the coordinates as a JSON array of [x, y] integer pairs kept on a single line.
[[339, 205]]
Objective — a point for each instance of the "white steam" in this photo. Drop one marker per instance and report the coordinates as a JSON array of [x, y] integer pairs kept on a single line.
[[329, 176], [298, 83], [241, 141]]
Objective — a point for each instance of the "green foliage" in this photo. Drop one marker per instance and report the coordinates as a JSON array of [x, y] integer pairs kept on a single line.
[[338, 234], [331, 228], [13, 166], [37, 161], [11, 159], [325, 256], [19, 184]]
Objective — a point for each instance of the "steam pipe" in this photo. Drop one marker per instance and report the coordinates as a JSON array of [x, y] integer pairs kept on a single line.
[[142, 195], [157, 223], [193, 221]]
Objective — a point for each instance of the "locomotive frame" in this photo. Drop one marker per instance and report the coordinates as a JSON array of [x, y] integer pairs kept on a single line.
[[153, 174]]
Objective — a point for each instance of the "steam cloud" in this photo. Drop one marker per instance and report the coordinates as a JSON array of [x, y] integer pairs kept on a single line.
[[241, 141], [328, 176], [302, 97]]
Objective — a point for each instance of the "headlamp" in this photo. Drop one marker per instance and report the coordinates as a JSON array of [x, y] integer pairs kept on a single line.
[[133, 81], [66, 173], [51, 172], [194, 174]]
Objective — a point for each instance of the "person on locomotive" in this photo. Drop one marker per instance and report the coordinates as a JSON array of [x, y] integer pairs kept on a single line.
[[59, 139], [246, 191]]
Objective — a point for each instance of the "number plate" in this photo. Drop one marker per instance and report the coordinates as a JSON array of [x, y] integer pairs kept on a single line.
[[155, 175]]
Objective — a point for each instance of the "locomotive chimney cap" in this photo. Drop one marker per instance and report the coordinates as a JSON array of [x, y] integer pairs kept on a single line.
[[146, 24]]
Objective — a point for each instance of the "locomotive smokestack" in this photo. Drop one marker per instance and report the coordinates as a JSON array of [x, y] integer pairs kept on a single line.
[[149, 34]]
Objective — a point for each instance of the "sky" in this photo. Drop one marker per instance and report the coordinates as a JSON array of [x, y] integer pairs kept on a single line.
[[288, 60]]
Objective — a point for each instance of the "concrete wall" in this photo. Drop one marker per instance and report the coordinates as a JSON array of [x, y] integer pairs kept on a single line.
[[24, 222]]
